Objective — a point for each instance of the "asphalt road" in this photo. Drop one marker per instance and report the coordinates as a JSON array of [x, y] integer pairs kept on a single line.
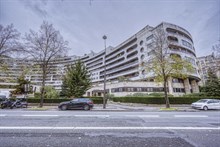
[[110, 129]]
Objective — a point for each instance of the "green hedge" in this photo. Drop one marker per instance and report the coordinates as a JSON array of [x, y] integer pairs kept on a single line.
[[157, 100], [37, 100]]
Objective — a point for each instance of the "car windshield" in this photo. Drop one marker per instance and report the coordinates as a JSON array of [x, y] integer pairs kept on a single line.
[[202, 101]]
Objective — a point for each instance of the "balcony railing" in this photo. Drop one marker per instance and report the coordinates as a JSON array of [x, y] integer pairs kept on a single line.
[[120, 68]]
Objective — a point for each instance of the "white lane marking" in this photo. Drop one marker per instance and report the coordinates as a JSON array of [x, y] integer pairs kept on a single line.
[[40, 115], [143, 116], [108, 128], [2, 115], [148, 116], [91, 115], [191, 116]]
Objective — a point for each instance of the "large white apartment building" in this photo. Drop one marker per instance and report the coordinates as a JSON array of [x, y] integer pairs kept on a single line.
[[208, 62], [124, 62]]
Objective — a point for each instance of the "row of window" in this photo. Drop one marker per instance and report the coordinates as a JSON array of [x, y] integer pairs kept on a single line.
[[174, 31], [145, 89], [137, 89], [179, 90], [187, 44], [181, 49], [175, 80], [149, 37]]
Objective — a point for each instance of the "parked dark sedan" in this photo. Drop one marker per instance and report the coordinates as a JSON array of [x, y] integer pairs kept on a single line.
[[78, 103]]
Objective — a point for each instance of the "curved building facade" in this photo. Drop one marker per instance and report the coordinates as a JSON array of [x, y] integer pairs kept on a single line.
[[125, 73]]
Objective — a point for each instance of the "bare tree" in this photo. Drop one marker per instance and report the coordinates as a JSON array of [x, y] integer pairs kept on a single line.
[[162, 65], [44, 46], [9, 40]]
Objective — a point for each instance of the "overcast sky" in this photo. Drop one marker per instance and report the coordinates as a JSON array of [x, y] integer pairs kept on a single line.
[[83, 22]]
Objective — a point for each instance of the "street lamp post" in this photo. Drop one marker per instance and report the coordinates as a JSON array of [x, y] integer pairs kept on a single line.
[[104, 97]]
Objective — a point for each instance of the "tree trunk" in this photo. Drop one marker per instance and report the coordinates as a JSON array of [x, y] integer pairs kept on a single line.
[[42, 95], [43, 87], [104, 101], [165, 94]]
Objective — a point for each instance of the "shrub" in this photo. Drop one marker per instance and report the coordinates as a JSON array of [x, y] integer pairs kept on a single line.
[[59, 100], [96, 100], [157, 100], [51, 92], [137, 95], [37, 95], [157, 94], [109, 96], [201, 94]]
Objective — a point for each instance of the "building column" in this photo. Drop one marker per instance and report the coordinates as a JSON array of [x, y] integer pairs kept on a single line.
[[170, 85], [195, 87], [187, 85]]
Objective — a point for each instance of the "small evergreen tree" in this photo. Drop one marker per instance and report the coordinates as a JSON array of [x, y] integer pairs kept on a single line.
[[76, 81], [212, 86], [20, 88]]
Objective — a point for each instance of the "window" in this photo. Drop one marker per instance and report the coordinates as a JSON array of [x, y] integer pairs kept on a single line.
[[142, 57], [187, 44], [179, 90], [149, 37], [130, 89], [142, 50], [150, 45], [149, 89], [171, 38], [151, 80], [139, 89], [176, 80], [141, 42]]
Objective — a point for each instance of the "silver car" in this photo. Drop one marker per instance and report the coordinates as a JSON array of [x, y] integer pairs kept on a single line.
[[206, 104]]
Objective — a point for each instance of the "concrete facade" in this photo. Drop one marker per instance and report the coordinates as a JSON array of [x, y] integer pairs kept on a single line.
[[123, 61], [206, 62]]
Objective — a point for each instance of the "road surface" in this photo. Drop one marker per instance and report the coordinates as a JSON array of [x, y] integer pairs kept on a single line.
[[110, 129]]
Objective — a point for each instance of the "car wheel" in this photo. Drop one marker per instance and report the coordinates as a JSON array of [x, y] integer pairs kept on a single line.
[[63, 107], [86, 107], [205, 108]]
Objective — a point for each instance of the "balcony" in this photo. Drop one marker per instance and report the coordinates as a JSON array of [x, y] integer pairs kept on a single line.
[[132, 54], [120, 68], [123, 47]]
